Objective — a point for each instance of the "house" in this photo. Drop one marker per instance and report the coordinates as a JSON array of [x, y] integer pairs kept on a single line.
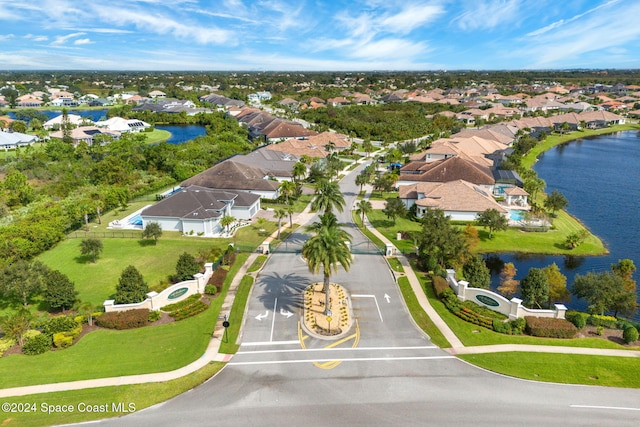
[[230, 175], [155, 94], [278, 163], [13, 140], [198, 210], [316, 146], [28, 100], [87, 134], [447, 170], [72, 119], [460, 200], [118, 124]]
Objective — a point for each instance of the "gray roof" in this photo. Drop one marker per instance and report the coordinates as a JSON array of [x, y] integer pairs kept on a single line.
[[196, 202], [278, 163], [232, 175]]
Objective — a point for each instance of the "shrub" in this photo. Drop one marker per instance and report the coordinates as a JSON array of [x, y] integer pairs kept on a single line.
[[61, 340], [58, 324], [578, 319], [218, 276], [181, 304], [124, 319], [37, 344], [604, 321], [210, 289], [6, 343], [550, 328], [630, 334], [153, 316], [30, 334], [196, 307], [439, 285], [513, 327]]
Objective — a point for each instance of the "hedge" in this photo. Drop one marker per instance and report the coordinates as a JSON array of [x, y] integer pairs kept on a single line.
[[609, 322], [6, 343], [124, 319], [550, 328], [439, 285], [65, 339], [58, 324]]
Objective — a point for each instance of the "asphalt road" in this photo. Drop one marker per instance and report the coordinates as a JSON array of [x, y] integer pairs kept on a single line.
[[384, 371]]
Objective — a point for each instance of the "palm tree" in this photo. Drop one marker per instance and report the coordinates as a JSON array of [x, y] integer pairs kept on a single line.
[[363, 208], [328, 196], [226, 221], [290, 213], [327, 249], [288, 189], [367, 146], [299, 171], [362, 179], [280, 214]]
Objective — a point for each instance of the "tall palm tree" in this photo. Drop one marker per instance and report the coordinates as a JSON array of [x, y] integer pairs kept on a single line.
[[362, 179], [299, 171], [328, 196], [363, 208], [280, 214], [288, 189], [326, 250]]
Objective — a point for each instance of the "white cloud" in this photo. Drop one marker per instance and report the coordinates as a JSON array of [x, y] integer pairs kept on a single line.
[[60, 40], [83, 41], [6, 36], [488, 14], [36, 38], [412, 17], [562, 22]]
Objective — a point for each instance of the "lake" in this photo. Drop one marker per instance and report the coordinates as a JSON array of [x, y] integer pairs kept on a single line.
[[600, 178], [179, 133]]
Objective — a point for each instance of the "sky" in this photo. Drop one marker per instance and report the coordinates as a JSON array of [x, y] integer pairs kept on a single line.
[[318, 35]]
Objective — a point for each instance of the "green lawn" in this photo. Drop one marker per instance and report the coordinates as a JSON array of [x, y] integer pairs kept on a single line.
[[157, 135], [228, 344], [562, 368], [419, 316], [140, 395], [108, 353], [512, 240]]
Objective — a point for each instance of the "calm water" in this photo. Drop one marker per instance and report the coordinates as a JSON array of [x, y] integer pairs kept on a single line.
[[600, 177], [179, 133]]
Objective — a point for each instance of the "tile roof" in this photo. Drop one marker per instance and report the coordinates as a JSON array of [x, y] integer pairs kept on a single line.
[[231, 175], [459, 196], [451, 169]]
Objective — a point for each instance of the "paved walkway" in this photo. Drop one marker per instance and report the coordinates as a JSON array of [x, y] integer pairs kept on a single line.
[[212, 354]]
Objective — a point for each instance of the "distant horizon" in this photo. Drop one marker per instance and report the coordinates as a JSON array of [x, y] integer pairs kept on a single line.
[[317, 36]]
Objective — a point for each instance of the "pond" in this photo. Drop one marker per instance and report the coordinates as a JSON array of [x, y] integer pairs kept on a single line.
[[599, 177], [179, 133]]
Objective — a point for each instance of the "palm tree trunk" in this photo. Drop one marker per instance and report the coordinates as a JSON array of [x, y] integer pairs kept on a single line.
[[325, 288]]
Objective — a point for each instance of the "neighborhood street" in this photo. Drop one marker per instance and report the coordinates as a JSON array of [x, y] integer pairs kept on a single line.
[[384, 371]]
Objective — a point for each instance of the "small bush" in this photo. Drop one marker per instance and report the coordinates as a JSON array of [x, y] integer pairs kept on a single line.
[[5, 344], [210, 289], [599, 330], [218, 276], [439, 285], [578, 319], [630, 334], [61, 340], [513, 327], [124, 319], [30, 334], [550, 328], [37, 344], [153, 316]]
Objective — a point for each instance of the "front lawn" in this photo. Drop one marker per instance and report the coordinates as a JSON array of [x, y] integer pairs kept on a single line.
[[512, 240]]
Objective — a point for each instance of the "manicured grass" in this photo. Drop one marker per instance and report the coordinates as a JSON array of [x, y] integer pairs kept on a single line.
[[419, 316], [106, 353], [511, 240], [298, 205], [257, 264], [140, 395], [96, 282], [562, 368], [553, 140], [229, 344], [157, 135]]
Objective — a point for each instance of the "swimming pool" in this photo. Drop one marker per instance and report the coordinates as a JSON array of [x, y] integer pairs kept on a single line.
[[516, 215], [136, 220]]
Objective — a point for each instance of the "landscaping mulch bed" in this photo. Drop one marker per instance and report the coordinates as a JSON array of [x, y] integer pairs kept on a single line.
[[613, 335]]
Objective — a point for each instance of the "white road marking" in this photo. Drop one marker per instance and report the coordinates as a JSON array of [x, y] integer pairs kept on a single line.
[[357, 359], [273, 321], [618, 408], [388, 298], [295, 350], [374, 299], [285, 313], [270, 343], [259, 317]]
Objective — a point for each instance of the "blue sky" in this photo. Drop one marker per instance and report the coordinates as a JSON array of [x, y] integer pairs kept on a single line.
[[305, 35]]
